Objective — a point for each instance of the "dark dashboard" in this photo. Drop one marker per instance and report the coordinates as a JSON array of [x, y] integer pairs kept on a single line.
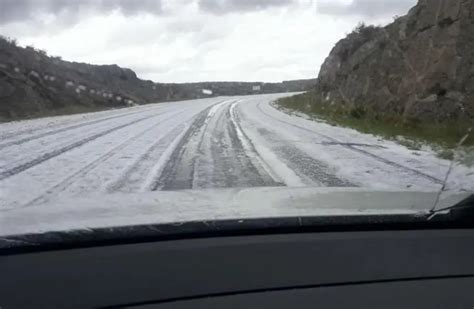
[[420, 268]]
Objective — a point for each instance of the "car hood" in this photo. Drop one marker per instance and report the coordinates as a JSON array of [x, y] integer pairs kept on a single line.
[[177, 207]]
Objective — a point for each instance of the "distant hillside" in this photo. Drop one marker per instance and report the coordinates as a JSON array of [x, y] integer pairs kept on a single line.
[[420, 67], [34, 84]]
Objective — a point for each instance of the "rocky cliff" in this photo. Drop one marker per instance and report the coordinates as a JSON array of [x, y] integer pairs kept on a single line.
[[35, 84], [419, 67]]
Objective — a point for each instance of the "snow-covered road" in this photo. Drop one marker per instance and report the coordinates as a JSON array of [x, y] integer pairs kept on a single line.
[[210, 143]]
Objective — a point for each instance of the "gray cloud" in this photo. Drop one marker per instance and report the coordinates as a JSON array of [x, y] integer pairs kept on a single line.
[[232, 6], [366, 8], [31, 10]]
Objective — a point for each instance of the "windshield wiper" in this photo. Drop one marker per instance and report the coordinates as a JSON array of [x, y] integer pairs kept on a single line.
[[460, 205], [462, 211]]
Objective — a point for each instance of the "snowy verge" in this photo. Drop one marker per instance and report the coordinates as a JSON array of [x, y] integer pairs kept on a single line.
[[425, 160]]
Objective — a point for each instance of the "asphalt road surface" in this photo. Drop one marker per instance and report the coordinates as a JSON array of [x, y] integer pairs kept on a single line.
[[222, 142]]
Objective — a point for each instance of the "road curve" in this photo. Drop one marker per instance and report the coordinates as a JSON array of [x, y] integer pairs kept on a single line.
[[222, 142]]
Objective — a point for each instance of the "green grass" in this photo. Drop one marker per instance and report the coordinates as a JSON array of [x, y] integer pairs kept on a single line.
[[444, 138]]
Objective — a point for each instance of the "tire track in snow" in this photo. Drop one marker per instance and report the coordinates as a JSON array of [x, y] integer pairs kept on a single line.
[[304, 165], [353, 148], [178, 173], [49, 155], [64, 129], [298, 161], [133, 177], [66, 182], [267, 176], [213, 153]]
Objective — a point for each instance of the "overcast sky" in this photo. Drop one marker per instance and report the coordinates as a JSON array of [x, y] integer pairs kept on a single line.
[[195, 40]]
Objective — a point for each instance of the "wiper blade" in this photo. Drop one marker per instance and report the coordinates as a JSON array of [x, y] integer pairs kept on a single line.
[[462, 211]]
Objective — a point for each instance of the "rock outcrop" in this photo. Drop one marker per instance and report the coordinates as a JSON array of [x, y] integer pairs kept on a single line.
[[34, 84], [419, 67]]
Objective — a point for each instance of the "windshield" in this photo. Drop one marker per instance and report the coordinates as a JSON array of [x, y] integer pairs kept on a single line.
[[120, 113]]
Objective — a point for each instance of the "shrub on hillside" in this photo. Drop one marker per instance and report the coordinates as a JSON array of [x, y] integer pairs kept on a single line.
[[358, 37], [8, 40]]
